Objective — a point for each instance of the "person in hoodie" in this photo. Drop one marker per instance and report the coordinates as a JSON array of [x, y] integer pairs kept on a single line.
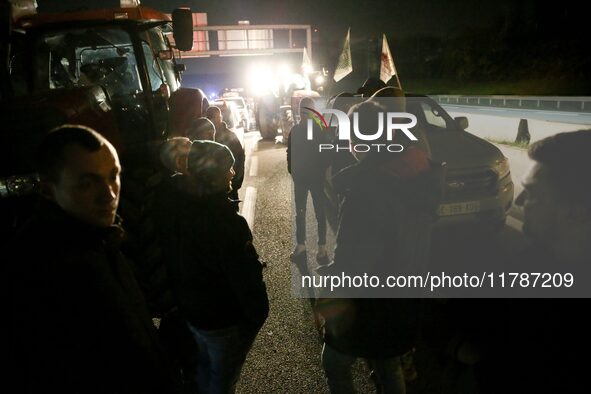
[[390, 202], [215, 272]]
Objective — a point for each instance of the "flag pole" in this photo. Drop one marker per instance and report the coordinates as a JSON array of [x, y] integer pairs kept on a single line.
[[398, 81], [396, 70]]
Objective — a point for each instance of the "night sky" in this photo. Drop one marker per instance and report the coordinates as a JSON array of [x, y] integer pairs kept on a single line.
[[399, 17], [454, 40]]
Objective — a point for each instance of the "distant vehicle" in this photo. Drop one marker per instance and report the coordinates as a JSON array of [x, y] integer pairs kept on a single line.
[[235, 98], [478, 185], [231, 115]]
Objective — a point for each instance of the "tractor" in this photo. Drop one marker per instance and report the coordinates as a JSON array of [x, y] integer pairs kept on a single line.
[[113, 70]]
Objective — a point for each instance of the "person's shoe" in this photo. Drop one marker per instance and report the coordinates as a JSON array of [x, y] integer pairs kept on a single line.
[[322, 259], [324, 269], [298, 257]]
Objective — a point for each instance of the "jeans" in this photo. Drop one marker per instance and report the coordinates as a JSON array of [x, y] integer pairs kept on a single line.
[[182, 348], [222, 353], [316, 189], [386, 373]]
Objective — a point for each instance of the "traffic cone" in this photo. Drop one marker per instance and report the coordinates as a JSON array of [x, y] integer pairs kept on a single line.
[[523, 135]]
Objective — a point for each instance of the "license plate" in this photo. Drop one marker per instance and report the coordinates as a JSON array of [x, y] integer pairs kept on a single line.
[[461, 208]]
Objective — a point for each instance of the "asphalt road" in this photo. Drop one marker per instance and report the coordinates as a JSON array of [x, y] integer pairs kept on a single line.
[[286, 355]]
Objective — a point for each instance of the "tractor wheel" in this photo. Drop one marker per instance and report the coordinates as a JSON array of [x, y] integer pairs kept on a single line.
[[267, 123]]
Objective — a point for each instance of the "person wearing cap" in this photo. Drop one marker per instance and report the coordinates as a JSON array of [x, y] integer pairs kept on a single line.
[[174, 153], [201, 129], [214, 268]]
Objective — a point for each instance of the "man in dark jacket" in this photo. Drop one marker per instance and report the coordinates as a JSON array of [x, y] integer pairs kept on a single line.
[[307, 166], [79, 320], [229, 138], [385, 229], [214, 268]]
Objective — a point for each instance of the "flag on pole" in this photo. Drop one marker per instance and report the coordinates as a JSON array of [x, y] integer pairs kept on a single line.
[[345, 66], [306, 62], [387, 67]]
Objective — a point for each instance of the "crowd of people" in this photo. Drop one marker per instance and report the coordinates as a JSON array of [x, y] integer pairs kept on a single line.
[[79, 319], [387, 209], [80, 322]]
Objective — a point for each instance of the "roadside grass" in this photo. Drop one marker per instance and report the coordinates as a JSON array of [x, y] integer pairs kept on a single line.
[[520, 145]]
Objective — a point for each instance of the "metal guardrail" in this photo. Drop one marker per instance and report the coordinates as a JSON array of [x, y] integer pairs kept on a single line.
[[546, 103]]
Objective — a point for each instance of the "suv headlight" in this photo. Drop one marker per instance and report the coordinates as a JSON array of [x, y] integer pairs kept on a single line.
[[501, 167]]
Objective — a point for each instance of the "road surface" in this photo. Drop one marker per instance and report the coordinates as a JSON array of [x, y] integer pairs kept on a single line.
[[286, 354]]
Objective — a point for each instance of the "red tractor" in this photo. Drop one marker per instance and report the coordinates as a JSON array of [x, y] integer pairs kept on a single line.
[[111, 69]]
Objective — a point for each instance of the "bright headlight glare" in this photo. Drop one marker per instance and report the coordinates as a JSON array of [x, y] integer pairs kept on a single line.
[[502, 167], [260, 79], [284, 71]]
